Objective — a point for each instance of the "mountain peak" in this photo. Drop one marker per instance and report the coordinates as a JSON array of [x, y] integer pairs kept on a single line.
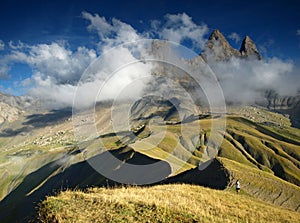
[[216, 35], [248, 48], [218, 47]]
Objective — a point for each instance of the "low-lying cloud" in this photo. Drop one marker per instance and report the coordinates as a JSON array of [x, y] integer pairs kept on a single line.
[[245, 81]]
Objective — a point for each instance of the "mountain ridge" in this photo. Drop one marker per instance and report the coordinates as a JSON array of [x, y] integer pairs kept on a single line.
[[218, 48]]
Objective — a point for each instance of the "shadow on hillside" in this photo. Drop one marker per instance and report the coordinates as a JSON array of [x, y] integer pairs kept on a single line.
[[215, 176], [294, 115], [38, 121], [14, 132], [53, 117], [20, 205]]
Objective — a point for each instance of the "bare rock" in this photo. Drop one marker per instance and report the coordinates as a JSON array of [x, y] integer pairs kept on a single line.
[[248, 49]]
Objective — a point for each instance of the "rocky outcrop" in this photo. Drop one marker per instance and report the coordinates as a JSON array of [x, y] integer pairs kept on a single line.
[[289, 105], [11, 107], [218, 48], [248, 49], [8, 113]]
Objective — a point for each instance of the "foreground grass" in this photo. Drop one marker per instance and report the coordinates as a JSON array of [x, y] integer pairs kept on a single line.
[[164, 203]]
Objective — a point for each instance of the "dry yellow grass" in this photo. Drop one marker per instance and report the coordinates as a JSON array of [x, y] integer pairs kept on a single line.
[[164, 203]]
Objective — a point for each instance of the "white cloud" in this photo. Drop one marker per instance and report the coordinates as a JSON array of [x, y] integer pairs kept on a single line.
[[15, 46], [245, 81], [298, 32], [111, 33], [2, 45], [98, 24], [263, 48], [4, 71], [55, 68], [235, 37], [180, 27]]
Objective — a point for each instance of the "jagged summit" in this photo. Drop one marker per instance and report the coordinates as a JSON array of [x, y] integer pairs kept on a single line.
[[216, 34], [219, 49], [248, 48]]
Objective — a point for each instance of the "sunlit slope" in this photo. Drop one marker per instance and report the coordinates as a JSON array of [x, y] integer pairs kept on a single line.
[[44, 157], [267, 148], [185, 203], [263, 185]]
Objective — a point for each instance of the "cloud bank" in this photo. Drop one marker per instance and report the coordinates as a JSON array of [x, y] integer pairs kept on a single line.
[[245, 81]]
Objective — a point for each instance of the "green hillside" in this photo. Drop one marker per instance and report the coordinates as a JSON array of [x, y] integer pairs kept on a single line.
[[258, 147]]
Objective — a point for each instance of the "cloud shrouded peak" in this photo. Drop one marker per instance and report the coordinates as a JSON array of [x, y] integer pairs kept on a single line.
[[57, 68]]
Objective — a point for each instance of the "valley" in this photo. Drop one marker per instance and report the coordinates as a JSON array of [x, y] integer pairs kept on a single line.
[[260, 150]]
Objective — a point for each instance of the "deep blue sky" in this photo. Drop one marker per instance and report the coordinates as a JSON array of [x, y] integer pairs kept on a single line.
[[272, 24]]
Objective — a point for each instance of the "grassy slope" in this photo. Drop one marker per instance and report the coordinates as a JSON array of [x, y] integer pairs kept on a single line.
[[270, 151], [274, 149], [185, 203], [264, 186]]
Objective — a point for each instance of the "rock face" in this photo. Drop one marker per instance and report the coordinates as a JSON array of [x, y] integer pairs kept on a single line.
[[13, 106], [218, 48], [8, 113], [248, 49], [289, 105], [10, 108]]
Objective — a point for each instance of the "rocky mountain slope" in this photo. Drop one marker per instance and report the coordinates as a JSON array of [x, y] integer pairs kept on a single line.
[[11, 107]]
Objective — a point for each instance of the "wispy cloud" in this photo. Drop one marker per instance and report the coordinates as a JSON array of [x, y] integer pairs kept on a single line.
[[298, 32], [2, 45], [265, 46], [15, 46], [180, 27], [110, 33], [235, 37]]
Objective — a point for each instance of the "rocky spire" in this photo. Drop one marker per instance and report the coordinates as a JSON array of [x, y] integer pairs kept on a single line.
[[218, 47], [248, 48]]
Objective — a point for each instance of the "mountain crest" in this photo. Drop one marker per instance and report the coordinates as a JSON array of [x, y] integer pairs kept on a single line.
[[216, 35], [248, 48], [219, 49]]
